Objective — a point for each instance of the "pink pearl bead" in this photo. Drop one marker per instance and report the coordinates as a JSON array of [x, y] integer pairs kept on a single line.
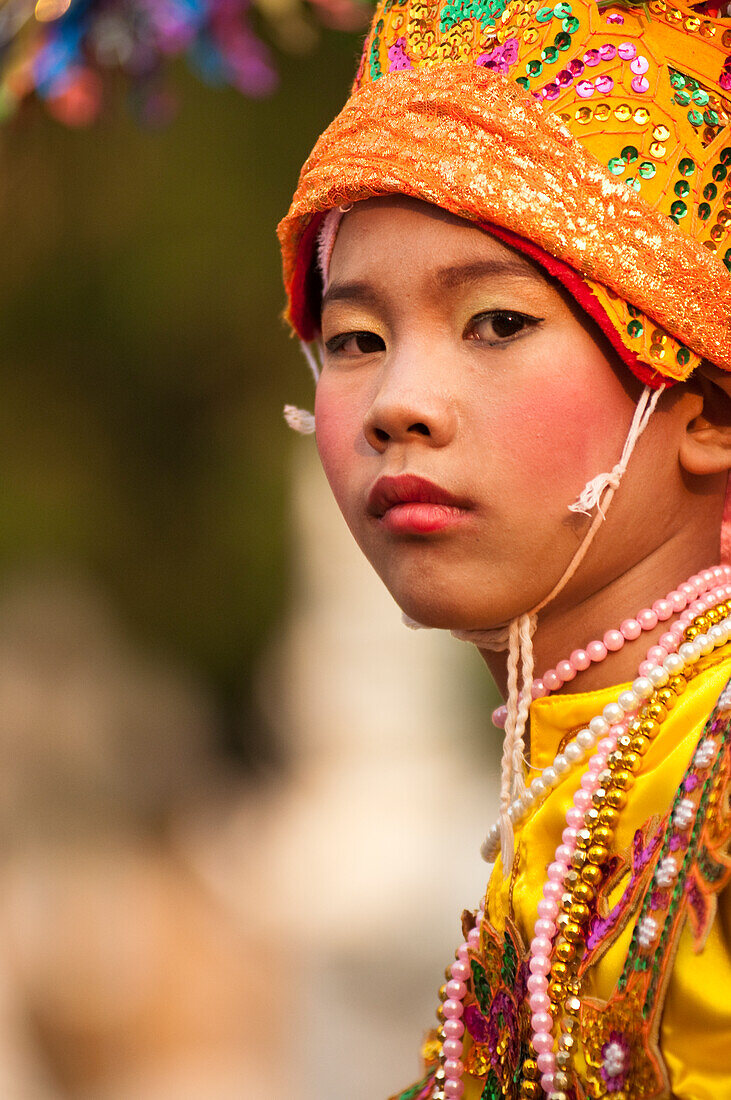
[[708, 576], [667, 641], [539, 964], [452, 1009], [646, 667], [568, 836], [499, 717], [647, 618], [657, 654], [596, 764], [597, 651], [631, 629], [564, 853], [697, 582], [613, 640], [453, 1087], [540, 945], [557, 871], [678, 600], [452, 1048], [575, 818], [553, 891], [544, 927], [565, 670], [663, 609], [460, 971], [453, 1029], [606, 745], [462, 952], [552, 680], [539, 1002], [719, 572], [547, 1082], [453, 1067], [541, 1021], [580, 660], [538, 689], [456, 990], [473, 938], [589, 782], [546, 1062], [687, 589], [543, 1042], [537, 983], [697, 607], [547, 909], [582, 800]]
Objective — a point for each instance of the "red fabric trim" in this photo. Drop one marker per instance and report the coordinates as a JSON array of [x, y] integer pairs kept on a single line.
[[301, 313]]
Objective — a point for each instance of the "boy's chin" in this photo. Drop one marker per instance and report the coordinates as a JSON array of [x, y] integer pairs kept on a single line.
[[448, 614]]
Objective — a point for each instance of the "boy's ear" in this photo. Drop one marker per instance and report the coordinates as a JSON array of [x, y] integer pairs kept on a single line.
[[706, 446]]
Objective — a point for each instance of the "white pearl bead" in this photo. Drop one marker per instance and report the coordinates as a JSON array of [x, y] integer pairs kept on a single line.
[[705, 644], [530, 796], [689, 652], [628, 701], [673, 664], [586, 739], [613, 713], [550, 776], [561, 764], [717, 635], [515, 810], [538, 787], [573, 752], [642, 686], [658, 676], [599, 726]]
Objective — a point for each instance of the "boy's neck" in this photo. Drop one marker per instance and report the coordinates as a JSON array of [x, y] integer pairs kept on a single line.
[[572, 625]]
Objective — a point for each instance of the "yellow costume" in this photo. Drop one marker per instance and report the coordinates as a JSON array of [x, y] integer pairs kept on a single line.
[[693, 1014]]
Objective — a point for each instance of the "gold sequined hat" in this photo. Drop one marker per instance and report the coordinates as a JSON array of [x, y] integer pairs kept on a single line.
[[595, 137]]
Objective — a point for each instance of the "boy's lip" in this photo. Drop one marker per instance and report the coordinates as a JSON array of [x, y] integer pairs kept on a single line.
[[412, 505]]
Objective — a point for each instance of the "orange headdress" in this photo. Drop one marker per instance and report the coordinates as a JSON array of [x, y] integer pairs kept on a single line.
[[595, 137]]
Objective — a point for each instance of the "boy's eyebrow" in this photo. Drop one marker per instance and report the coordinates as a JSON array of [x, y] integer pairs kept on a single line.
[[457, 274], [448, 278]]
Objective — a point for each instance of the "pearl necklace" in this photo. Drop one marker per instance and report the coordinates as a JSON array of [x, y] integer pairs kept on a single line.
[[630, 629], [628, 701], [609, 729]]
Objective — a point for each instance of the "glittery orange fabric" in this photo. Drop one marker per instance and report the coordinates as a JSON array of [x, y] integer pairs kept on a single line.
[[601, 135]]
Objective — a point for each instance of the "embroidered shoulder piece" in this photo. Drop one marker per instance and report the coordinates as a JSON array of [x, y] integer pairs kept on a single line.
[[689, 864]]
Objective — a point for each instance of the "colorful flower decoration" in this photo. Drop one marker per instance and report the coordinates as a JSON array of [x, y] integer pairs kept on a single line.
[[67, 51]]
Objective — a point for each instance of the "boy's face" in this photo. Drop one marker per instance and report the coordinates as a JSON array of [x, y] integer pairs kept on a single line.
[[450, 357]]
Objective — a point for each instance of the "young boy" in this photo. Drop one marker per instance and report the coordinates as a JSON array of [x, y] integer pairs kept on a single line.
[[512, 249]]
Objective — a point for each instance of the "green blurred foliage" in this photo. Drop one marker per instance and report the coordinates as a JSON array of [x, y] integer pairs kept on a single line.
[[144, 362]]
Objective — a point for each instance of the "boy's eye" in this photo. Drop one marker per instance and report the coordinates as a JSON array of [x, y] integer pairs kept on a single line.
[[356, 343], [499, 324]]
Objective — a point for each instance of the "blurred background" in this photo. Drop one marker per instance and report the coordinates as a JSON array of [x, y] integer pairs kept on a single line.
[[240, 803]]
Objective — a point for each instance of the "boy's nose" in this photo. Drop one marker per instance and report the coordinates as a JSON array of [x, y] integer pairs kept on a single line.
[[403, 410]]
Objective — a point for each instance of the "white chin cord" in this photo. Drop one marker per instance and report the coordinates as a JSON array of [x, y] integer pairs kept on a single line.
[[517, 636]]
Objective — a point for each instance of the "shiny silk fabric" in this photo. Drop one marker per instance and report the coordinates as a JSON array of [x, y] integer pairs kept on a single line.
[[601, 134], [684, 1049]]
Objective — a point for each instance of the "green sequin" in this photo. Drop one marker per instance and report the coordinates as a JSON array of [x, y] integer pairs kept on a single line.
[[695, 118], [682, 356], [704, 211], [647, 169], [571, 25], [562, 40], [534, 68], [686, 166], [550, 54], [635, 329], [681, 189], [678, 209], [629, 154], [719, 172], [710, 191]]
